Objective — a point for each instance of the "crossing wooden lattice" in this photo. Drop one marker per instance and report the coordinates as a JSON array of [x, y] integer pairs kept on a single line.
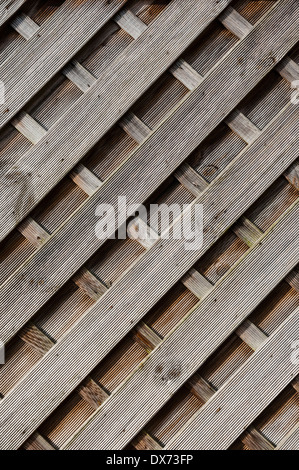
[[141, 344]]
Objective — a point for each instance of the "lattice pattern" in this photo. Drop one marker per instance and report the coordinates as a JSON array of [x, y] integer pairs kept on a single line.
[[114, 344]]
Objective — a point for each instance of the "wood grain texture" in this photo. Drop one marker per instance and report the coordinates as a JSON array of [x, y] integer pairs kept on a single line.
[[291, 441], [25, 26], [251, 334], [130, 23], [33, 64], [82, 126], [247, 231], [254, 440], [79, 75], [235, 22], [36, 339], [189, 178], [148, 154], [279, 137], [197, 336], [242, 126], [34, 233], [137, 301], [265, 374], [37, 442], [186, 74], [197, 283], [9, 8], [29, 127]]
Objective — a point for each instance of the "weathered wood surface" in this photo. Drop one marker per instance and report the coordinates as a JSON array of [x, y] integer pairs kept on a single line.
[[124, 317], [82, 126], [32, 65], [181, 353], [24, 25], [136, 190], [18, 293], [9, 8], [291, 441], [88, 333], [256, 384]]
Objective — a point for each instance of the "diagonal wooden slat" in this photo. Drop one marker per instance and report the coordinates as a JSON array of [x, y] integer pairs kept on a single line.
[[29, 127], [265, 375], [81, 127], [33, 298], [290, 441], [242, 126], [235, 22], [136, 299], [197, 336], [24, 25], [130, 23], [33, 64], [254, 440], [79, 75], [148, 160], [9, 8]]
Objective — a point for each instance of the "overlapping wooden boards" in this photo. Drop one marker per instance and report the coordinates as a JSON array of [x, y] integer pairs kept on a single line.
[[91, 312], [160, 267], [36, 61], [76, 241], [246, 394], [183, 351], [9, 8], [291, 441], [95, 112]]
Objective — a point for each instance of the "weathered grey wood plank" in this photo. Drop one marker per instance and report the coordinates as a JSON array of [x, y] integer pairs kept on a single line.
[[189, 178], [251, 334], [79, 231], [139, 230], [29, 127], [197, 283], [264, 375], [9, 8], [148, 161], [33, 64], [254, 440], [89, 284], [291, 440], [197, 336], [36, 339], [201, 388], [247, 231], [31, 230], [130, 23], [25, 26], [288, 69], [186, 74], [276, 143], [235, 22], [85, 179], [91, 392], [133, 126], [79, 75], [145, 336], [242, 126], [81, 127]]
